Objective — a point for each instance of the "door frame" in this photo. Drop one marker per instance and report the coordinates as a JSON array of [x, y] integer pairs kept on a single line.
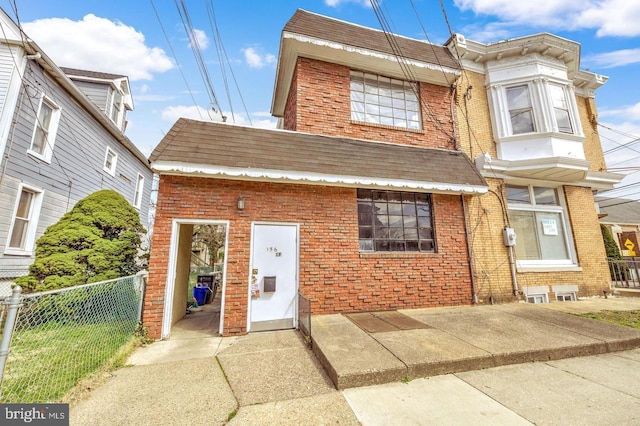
[[169, 289], [250, 263]]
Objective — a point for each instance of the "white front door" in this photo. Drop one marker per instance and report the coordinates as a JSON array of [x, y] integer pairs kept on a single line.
[[273, 282]]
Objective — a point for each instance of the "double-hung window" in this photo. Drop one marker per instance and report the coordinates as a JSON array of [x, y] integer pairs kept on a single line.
[[560, 108], [395, 221], [383, 100], [44, 132], [538, 217], [520, 109], [137, 198], [23, 226], [110, 160]]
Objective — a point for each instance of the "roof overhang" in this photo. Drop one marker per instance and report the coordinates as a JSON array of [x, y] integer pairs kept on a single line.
[[294, 45], [563, 170], [308, 178]]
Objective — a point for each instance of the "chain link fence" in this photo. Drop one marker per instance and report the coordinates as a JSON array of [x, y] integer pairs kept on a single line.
[[62, 336]]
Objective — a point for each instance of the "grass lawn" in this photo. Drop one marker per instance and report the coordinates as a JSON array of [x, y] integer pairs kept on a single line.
[[626, 318], [49, 360]]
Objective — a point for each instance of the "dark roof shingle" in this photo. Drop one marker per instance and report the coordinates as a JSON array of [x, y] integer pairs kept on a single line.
[[191, 142], [325, 28]]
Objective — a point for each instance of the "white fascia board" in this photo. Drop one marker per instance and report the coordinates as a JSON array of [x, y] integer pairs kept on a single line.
[[367, 52], [603, 180], [306, 178]]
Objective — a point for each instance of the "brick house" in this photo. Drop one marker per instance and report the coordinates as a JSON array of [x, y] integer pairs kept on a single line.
[[366, 199], [527, 116]]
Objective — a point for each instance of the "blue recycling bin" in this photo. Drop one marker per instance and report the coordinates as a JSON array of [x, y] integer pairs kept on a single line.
[[200, 293]]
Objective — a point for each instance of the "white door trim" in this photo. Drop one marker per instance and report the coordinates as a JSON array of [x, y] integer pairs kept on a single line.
[[297, 260], [169, 289]]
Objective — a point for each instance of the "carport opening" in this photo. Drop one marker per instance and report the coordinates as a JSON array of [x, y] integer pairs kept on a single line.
[[197, 293]]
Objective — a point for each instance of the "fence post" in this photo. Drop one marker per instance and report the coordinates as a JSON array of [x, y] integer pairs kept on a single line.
[[13, 303]]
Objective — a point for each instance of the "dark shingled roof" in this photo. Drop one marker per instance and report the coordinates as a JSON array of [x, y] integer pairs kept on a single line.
[[322, 27], [191, 142], [91, 74], [620, 210]]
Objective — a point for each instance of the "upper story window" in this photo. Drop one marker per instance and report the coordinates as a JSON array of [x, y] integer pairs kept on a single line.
[[538, 216], [116, 107], [520, 109], [538, 106], [137, 198], [46, 127], [25, 217], [560, 108], [110, 160], [395, 221], [383, 100]]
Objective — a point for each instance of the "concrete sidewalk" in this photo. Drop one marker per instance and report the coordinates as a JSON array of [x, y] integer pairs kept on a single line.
[[465, 338], [272, 378]]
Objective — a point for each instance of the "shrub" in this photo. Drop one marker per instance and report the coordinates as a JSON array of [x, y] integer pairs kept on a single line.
[[99, 239]]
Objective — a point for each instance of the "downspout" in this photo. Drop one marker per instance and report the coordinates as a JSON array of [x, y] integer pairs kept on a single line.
[[474, 296]]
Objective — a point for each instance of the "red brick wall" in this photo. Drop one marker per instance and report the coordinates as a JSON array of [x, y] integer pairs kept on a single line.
[[333, 274], [319, 102]]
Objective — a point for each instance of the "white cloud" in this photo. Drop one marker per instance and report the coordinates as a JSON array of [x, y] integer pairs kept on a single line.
[[98, 44], [337, 3], [172, 113], [617, 58], [608, 17], [257, 60], [626, 112], [199, 38]]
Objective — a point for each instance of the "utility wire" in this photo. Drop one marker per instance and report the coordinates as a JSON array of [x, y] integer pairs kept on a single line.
[[175, 58], [197, 53], [218, 41], [404, 66]]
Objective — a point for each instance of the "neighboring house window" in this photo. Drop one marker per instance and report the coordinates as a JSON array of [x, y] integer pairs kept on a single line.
[[44, 133], [520, 110], [137, 199], [560, 108], [395, 221], [110, 160], [116, 107], [23, 227], [537, 215], [383, 100]]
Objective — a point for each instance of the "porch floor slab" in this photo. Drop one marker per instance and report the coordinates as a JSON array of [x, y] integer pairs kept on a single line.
[[462, 339]]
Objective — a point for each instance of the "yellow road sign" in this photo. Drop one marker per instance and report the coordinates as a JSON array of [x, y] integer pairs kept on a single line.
[[630, 246]]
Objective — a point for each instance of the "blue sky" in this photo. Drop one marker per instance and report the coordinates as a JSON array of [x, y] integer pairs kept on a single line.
[[126, 37]]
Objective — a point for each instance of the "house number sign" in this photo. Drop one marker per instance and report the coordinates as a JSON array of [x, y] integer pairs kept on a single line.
[[274, 250]]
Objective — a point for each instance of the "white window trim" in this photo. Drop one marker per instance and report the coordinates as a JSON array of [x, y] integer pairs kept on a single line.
[[34, 216], [542, 108], [51, 131], [112, 170], [561, 208], [137, 195], [112, 103]]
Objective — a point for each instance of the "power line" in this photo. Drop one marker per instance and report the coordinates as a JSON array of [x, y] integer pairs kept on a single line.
[[404, 66], [197, 53], [173, 53]]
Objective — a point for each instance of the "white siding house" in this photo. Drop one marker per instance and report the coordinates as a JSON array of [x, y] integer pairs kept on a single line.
[[61, 139]]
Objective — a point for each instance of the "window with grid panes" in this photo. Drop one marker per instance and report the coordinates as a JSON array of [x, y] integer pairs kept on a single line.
[[383, 100], [395, 221]]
